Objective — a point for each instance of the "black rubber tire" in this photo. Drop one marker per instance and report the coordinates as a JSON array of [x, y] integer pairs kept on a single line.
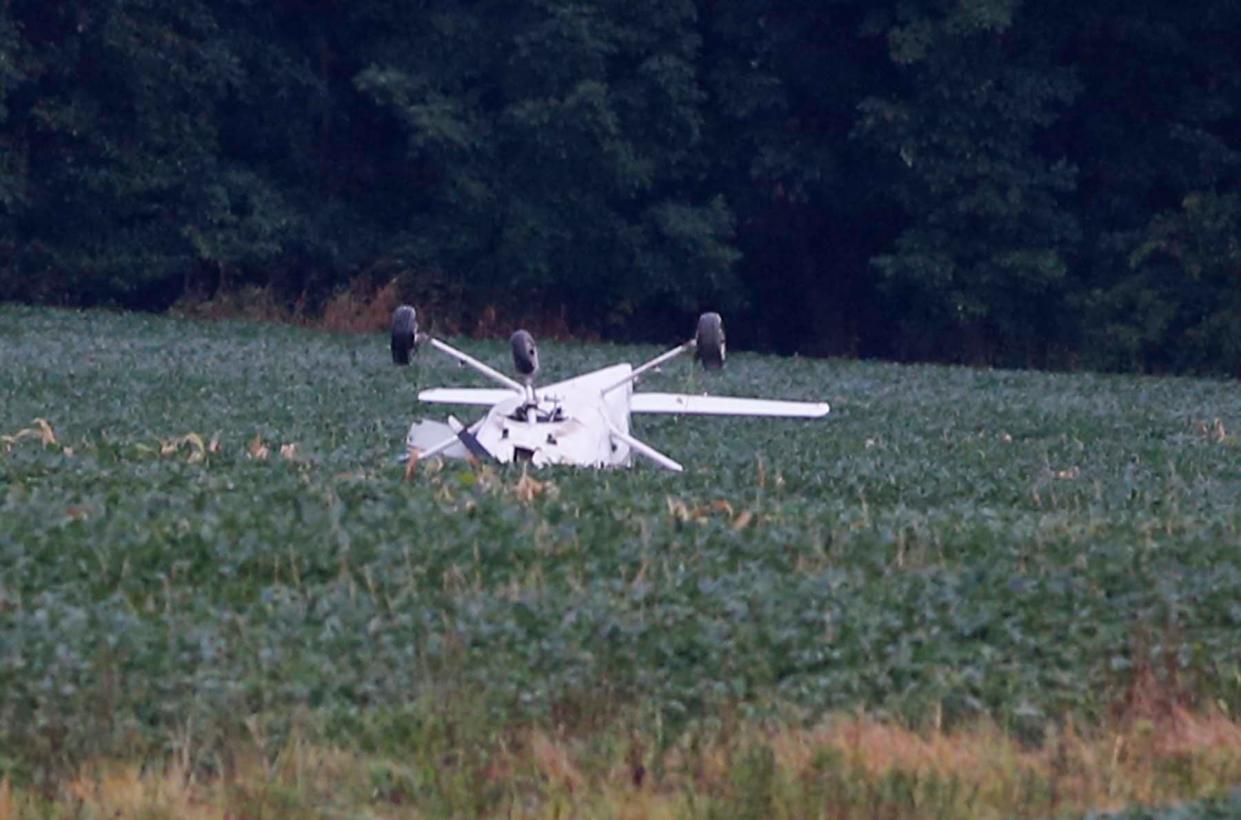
[[710, 341], [404, 334], [525, 354]]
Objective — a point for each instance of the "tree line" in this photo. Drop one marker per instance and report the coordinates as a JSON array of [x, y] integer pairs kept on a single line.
[[1034, 184]]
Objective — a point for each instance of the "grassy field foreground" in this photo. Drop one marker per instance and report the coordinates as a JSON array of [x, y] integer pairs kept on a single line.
[[965, 592]]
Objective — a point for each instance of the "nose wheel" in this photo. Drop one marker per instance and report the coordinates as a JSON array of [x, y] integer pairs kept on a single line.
[[525, 355]]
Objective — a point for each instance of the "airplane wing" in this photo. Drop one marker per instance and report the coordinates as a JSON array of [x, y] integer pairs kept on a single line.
[[725, 406], [466, 395]]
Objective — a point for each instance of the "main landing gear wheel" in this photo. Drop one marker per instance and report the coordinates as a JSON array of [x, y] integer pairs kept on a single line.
[[525, 354], [404, 334], [709, 341]]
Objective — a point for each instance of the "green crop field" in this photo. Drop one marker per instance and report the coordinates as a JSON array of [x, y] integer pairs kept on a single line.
[[209, 546]]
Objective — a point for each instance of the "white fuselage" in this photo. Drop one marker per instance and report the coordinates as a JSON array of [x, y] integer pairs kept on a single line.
[[570, 422]]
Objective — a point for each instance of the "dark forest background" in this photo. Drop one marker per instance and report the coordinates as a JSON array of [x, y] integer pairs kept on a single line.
[[1048, 184]]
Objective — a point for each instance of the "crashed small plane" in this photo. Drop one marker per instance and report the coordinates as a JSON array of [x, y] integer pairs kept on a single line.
[[582, 421]]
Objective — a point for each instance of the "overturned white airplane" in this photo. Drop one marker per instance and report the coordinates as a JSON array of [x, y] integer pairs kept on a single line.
[[582, 421]]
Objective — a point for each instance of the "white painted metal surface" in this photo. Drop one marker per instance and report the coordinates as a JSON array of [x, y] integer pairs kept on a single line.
[[570, 422], [423, 435], [725, 406], [481, 396]]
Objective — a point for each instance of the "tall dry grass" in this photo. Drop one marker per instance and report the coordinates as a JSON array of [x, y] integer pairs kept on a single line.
[[843, 767], [366, 306]]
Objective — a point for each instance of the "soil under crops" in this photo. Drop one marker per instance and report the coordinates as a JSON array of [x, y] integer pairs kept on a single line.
[[204, 532]]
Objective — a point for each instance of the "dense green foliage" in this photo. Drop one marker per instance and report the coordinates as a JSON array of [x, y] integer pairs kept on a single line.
[[949, 544], [1219, 808], [990, 180]]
